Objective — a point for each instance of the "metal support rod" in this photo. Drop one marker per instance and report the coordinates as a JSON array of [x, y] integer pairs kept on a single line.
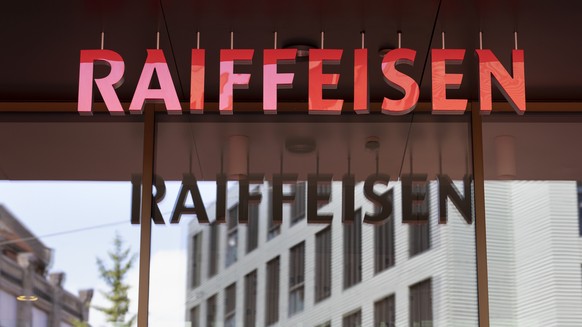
[[480, 226], [146, 213], [443, 39]]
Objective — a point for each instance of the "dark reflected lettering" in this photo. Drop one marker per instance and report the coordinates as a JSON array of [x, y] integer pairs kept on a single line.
[[414, 199], [382, 201], [348, 198], [189, 186], [314, 198], [160, 187], [221, 198], [245, 197], [463, 203], [278, 197]]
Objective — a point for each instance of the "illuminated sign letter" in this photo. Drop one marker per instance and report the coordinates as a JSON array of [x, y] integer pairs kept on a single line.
[[230, 80], [399, 81], [319, 80], [441, 81], [273, 80], [106, 85], [197, 82], [361, 90], [513, 88], [155, 62]]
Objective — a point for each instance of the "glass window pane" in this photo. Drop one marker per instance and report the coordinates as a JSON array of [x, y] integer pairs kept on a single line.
[[67, 245], [323, 247], [532, 205]]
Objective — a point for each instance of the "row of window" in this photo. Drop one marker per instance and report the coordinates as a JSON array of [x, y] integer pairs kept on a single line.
[[384, 258], [384, 310]]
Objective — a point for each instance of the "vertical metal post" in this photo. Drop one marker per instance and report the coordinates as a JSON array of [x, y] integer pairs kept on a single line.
[[480, 226], [146, 222]]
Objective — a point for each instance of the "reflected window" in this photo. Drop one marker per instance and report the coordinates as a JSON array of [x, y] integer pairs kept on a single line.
[[195, 317], [353, 251], [230, 306], [213, 249], [419, 233], [250, 299], [253, 227], [232, 236], [196, 259], [323, 264], [298, 207], [421, 304], [8, 307], [39, 318], [211, 311], [323, 189], [272, 292], [418, 238], [353, 319], [296, 278], [273, 229], [385, 313], [384, 245], [325, 324]]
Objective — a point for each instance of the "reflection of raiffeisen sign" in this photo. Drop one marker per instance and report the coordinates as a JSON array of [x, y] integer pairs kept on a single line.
[[414, 189], [511, 85]]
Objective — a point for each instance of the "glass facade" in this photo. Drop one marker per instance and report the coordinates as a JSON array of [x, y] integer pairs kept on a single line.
[[402, 253]]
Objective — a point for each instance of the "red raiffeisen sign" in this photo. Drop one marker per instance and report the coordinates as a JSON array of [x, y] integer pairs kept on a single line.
[[512, 85]]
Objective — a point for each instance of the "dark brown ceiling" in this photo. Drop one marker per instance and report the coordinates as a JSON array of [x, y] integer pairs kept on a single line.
[[41, 41]]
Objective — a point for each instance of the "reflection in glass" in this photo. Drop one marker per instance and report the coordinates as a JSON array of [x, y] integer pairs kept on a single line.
[[532, 202]]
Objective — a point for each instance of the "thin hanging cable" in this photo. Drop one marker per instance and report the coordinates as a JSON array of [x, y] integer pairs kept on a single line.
[[102, 40], [349, 163], [281, 163], [419, 86], [317, 163], [221, 161], [377, 162], [172, 50], [515, 39], [440, 148], [480, 40], [64, 232]]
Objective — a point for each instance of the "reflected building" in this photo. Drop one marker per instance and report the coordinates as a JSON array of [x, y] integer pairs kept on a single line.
[[338, 274], [534, 245], [29, 295]]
